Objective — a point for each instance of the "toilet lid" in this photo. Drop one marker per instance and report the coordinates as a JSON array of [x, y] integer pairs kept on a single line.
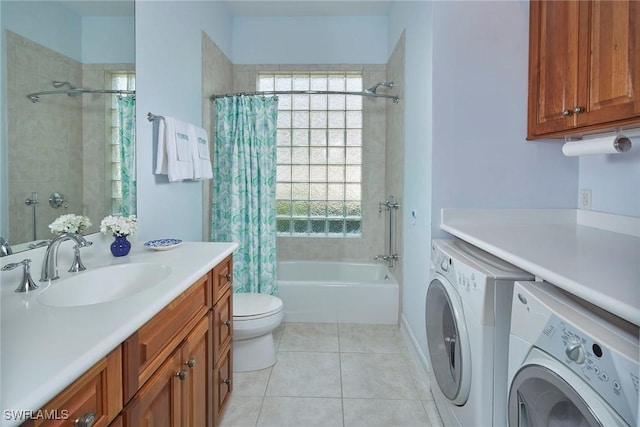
[[254, 304]]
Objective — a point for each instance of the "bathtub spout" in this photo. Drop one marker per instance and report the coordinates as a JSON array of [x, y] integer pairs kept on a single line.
[[389, 259]]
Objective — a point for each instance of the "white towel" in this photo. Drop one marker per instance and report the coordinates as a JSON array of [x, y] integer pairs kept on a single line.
[[200, 151], [174, 150]]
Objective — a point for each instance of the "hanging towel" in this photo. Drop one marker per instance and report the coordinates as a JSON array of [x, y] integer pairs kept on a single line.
[[174, 150], [200, 151]]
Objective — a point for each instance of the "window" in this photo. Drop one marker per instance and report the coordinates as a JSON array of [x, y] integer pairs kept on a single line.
[[319, 162], [119, 81]]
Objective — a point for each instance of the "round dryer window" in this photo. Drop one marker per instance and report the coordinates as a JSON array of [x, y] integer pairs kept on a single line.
[[540, 397], [448, 342]]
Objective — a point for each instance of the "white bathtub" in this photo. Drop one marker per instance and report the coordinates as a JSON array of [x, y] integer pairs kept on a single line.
[[341, 292]]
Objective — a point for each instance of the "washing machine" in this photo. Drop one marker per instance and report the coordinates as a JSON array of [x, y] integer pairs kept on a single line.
[[468, 309], [570, 363]]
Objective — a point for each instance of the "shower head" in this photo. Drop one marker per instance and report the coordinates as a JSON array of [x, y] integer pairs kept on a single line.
[[374, 88]]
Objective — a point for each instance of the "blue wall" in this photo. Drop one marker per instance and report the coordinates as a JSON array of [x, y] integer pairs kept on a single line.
[[169, 82]]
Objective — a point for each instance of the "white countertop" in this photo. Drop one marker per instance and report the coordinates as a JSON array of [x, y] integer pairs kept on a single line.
[[592, 255], [44, 349]]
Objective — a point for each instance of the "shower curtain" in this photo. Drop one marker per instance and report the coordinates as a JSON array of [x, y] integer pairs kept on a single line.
[[244, 188], [127, 130]]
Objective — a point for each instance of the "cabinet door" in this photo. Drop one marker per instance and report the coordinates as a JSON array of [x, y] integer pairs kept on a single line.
[[196, 356], [159, 402], [610, 42], [95, 397], [223, 383], [553, 66], [222, 278]]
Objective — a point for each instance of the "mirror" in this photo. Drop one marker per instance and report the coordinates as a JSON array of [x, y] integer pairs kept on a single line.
[[62, 145]]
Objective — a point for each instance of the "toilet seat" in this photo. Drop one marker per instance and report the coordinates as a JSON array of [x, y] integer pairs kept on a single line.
[[251, 306]]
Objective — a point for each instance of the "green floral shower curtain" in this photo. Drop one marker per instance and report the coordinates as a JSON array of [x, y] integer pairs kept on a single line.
[[127, 130], [244, 188]]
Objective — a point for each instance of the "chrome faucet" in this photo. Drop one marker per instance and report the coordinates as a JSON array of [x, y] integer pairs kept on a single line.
[[50, 261], [5, 247]]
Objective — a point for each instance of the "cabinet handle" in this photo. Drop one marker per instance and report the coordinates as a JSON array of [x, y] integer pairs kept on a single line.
[[227, 276], [182, 375], [86, 420], [578, 110], [191, 362], [227, 323], [228, 382], [566, 112]]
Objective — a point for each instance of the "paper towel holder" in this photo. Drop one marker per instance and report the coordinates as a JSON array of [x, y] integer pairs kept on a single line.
[[620, 143]]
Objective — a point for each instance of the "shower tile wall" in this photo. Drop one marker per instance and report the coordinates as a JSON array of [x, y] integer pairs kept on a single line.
[[44, 139], [373, 174], [394, 182], [217, 77]]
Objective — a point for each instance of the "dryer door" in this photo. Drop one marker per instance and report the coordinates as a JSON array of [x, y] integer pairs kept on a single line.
[[448, 342], [546, 393]]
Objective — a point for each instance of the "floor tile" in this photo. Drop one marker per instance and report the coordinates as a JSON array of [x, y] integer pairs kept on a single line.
[[383, 376], [241, 411], [321, 337], [369, 338], [384, 413], [305, 374], [253, 383], [300, 411]]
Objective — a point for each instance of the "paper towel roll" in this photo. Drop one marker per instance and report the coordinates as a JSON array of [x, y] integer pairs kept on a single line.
[[605, 145]]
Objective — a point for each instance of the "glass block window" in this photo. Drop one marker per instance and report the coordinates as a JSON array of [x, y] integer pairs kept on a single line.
[[319, 171], [119, 81]]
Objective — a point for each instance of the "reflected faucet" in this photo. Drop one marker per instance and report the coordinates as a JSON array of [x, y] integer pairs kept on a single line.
[[5, 247], [50, 261]]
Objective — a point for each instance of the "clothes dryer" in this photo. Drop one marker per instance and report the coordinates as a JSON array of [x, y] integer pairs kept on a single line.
[[570, 363], [468, 310]]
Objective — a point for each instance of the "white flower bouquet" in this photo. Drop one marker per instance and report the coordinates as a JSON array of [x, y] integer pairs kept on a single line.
[[119, 225], [70, 223]]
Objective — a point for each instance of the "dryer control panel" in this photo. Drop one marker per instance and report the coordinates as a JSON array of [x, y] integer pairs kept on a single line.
[[610, 374]]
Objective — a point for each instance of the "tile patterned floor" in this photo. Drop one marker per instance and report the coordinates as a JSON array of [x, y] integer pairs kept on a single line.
[[334, 375]]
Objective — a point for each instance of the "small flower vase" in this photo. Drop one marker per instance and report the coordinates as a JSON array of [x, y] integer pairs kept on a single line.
[[121, 246]]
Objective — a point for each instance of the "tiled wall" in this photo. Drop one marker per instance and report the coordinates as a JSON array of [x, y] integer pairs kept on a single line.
[[217, 77], [373, 189], [44, 139], [61, 144], [394, 182]]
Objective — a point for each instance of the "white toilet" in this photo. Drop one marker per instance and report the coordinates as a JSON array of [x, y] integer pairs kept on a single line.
[[255, 316]]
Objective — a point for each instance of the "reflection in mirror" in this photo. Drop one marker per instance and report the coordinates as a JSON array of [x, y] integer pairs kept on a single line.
[[69, 149]]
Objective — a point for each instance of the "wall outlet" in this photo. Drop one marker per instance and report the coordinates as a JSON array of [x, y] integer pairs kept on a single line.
[[585, 199]]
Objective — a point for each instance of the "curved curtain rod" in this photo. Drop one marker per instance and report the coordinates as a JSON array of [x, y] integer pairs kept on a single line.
[[395, 98], [35, 97]]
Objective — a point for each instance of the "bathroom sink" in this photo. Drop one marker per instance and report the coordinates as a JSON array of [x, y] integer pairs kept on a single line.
[[103, 284]]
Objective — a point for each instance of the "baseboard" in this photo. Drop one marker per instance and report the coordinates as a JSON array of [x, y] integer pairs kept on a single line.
[[417, 355]]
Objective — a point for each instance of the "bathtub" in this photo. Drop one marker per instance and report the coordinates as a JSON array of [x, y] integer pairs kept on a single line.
[[338, 292]]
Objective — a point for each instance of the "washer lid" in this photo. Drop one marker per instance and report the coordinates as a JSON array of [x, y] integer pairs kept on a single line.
[[254, 304]]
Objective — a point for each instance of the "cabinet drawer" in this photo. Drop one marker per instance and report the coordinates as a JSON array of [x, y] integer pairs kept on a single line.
[[222, 278], [146, 349], [222, 324], [97, 392], [222, 383]]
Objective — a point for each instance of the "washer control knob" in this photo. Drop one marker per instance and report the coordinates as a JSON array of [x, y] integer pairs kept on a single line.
[[575, 352]]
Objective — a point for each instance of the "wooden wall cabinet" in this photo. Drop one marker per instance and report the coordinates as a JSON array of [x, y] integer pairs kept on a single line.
[[175, 371], [584, 67]]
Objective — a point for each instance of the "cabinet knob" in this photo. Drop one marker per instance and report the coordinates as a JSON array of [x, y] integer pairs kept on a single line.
[[578, 110], [566, 112], [191, 362], [228, 382], [86, 420], [227, 323], [182, 375], [227, 276]]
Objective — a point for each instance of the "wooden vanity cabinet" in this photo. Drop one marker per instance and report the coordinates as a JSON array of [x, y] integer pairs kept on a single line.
[[584, 70], [222, 366], [96, 395]]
